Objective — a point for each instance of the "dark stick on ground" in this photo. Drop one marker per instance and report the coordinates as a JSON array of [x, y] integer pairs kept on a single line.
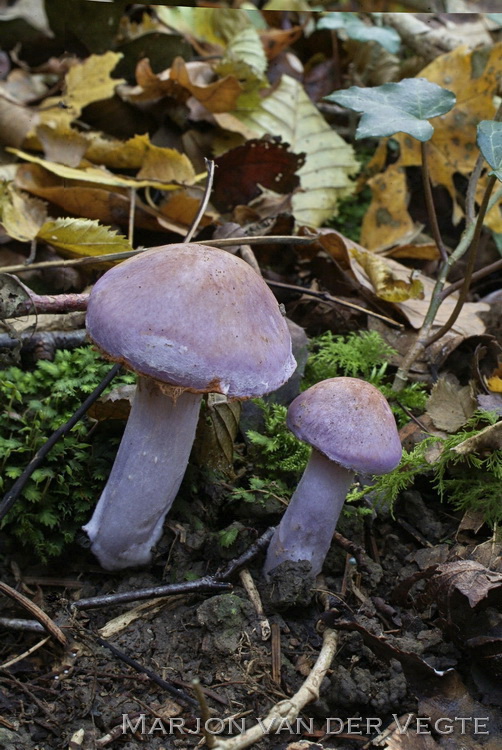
[[208, 583], [175, 692], [218, 582], [18, 486]]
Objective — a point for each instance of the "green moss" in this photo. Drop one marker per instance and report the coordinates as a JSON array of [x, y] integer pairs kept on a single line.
[[60, 495]]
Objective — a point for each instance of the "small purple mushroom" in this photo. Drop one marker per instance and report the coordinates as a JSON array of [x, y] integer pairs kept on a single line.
[[352, 430], [189, 319]]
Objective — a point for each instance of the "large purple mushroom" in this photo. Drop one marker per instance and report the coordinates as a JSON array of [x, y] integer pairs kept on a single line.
[[352, 430], [189, 319]]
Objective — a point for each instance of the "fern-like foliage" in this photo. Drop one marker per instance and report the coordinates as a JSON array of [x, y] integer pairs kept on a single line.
[[468, 482], [60, 495]]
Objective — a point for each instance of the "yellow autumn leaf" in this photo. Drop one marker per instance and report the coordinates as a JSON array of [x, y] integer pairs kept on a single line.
[[20, 215], [329, 161], [95, 175], [213, 25], [387, 285], [86, 82], [82, 238]]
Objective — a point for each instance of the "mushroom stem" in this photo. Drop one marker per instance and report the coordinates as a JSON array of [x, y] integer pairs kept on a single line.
[[145, 478], [307, 527]]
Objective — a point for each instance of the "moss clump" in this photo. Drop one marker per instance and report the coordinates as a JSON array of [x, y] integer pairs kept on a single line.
[[60, 495]]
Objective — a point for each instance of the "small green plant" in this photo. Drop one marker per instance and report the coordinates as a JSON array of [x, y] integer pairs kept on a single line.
[[59, 495], [468, 482]]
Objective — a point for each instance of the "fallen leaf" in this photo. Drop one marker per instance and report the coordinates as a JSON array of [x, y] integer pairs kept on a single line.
[[152, 86], [100, 203], [216, 96], [21, 215], [61, 143], [86, 82], [240, 172], [329, 162], [450, 406], [487, 440], [80, 238], [387, 220], [216, 432], [93, 174], [385, 282]]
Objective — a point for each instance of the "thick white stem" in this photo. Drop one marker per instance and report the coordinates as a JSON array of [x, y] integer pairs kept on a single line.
[[307, 527], [145, 478]]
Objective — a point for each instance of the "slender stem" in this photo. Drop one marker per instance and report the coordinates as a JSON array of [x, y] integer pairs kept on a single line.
[[429, 202], [114, 257], [476, 276], [145, 478], [420, 343], [132, 211], [471, 259], [205, 200], [306, 528]]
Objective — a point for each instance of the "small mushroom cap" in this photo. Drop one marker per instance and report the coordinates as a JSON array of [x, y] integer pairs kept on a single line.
[[350, 422], [194, 317]]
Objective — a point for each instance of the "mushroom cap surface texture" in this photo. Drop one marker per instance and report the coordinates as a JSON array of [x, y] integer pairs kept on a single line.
[[350, 422], [194, 317]]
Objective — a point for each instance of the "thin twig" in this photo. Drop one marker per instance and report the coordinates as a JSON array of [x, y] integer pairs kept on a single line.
[[429, 202], [132, 210], [175, 692], [204, 710], [35, 611], [326, 297], [205, 200], [233, 566], [207, 583], [11, 496], [217, 582], [471, 259], [255, 599], [476, 276], [287, 711], [113, 257]]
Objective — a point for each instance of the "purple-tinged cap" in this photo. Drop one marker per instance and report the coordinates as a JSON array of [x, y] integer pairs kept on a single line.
[[350, 422], [195, 317]]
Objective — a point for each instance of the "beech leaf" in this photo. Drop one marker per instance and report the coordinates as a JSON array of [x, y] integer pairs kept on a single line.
[[82, 238], [404, 107], [329, 161]]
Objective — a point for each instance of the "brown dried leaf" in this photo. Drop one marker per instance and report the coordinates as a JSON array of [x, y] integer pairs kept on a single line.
[[488, 440], [216, 96], [450, 405]]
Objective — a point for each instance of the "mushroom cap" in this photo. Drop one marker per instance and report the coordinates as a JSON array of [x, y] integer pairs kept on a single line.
[[194, 317], [350, 422]]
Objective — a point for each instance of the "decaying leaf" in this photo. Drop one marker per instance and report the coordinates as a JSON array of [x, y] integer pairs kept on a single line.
[[240, 172], [216, 96], [216, 432], [113, 405], [80, 238], [93, 174], [487, 440], [388, 285], [450, 405], [21, 215], [329, 162]]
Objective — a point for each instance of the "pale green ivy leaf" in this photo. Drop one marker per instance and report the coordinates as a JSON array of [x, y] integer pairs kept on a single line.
[[404, 107]]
